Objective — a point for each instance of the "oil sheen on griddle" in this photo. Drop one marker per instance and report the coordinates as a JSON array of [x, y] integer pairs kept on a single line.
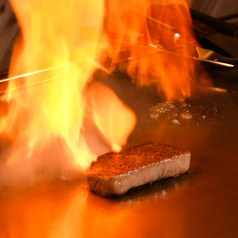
[[182, 110]]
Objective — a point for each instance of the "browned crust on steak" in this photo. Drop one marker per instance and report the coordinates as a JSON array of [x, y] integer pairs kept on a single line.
[[116, 173]]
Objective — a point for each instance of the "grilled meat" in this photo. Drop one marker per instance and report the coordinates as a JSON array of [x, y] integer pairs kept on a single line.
[[115, 173]]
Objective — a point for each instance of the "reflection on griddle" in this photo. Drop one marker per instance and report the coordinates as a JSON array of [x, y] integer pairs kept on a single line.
[[158, 190], [178, 111], [150, 192]]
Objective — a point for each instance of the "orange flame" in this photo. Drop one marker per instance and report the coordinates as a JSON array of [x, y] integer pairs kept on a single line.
[[159, 37], [52, 103], [47, 102]]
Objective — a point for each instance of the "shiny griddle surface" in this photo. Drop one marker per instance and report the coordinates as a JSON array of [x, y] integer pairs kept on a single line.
[[200, 203]]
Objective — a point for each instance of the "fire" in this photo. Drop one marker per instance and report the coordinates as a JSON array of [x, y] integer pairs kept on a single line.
[[51, 97], [113, 120], [158, 36], [47, 112]]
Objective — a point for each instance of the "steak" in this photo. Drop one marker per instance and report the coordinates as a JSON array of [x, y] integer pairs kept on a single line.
[[115, 173]]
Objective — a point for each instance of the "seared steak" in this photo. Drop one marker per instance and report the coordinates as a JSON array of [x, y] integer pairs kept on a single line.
[[115, 173]]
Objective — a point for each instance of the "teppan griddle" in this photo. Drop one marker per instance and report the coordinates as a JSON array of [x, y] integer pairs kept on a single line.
[[200, 203]]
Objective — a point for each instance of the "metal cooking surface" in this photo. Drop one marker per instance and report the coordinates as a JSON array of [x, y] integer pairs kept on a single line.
[[200, 203]]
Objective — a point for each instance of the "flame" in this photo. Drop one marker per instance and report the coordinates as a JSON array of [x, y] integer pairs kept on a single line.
[[158, 36], [112, 118], [53, 102], [50, 69]]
